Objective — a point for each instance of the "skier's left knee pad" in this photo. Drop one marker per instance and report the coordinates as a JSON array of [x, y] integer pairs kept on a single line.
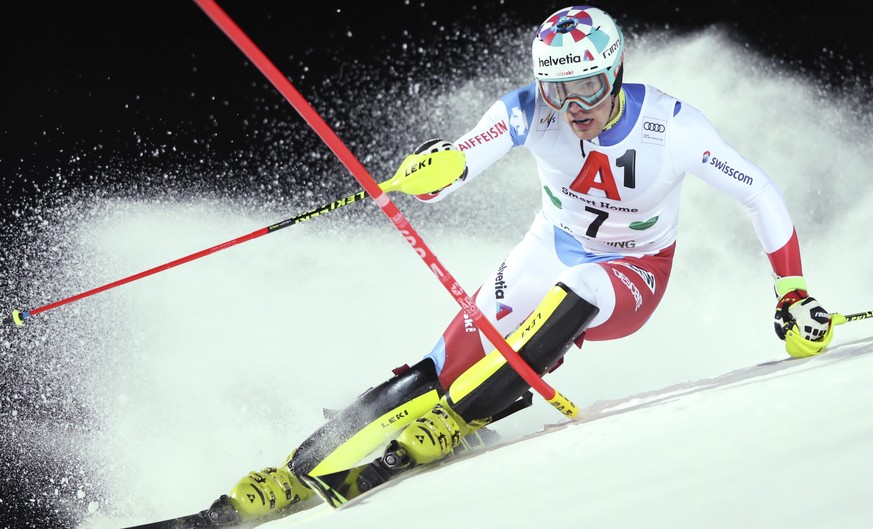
[[492, 385]]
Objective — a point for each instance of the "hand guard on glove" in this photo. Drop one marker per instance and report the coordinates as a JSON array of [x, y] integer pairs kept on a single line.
[[434, 166], [800, 320], [434, 146]]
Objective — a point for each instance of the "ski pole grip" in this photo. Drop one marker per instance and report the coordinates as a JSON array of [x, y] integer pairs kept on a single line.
[[564, 405]]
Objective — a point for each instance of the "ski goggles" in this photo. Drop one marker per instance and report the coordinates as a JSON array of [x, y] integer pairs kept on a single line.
[[587, 92]]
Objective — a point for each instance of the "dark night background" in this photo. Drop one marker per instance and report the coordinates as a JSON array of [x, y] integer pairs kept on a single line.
[[111, 96], [83, 82]]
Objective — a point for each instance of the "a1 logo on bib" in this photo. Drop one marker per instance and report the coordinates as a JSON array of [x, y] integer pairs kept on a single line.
[[654, 130]]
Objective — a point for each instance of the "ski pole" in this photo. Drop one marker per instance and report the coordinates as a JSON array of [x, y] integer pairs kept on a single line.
[[18, 317], [839, 319], [423, 182], [284, 86]]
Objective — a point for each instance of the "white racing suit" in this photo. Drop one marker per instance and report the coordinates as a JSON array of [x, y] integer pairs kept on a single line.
[[610, 209]]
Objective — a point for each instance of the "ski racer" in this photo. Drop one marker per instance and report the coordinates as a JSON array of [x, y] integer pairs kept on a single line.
[[611, 158]]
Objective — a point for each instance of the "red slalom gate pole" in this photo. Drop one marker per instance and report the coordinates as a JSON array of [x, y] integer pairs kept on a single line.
[[314, 119]]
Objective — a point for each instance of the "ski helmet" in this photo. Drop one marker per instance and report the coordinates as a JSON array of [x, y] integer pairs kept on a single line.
[[577, 57]]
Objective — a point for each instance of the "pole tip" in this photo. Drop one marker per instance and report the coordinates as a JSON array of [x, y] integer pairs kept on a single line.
[[17, 318]]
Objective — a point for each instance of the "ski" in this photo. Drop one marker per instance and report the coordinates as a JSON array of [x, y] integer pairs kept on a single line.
[[335, 489], [339, 488], [198, 521], [219, 515], [191, 521]]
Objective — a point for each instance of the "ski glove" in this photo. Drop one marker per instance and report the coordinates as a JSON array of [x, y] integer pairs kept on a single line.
[[800, 320]]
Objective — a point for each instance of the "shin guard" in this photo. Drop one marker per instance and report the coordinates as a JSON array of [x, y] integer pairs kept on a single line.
[[491, 385], [369, 422]]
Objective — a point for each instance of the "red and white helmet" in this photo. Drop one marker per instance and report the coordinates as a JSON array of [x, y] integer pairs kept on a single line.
[[573, 44]]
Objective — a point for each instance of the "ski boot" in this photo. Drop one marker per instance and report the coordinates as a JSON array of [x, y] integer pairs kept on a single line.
[[436, 434], [257, 498], [431, 437], [268, 492]]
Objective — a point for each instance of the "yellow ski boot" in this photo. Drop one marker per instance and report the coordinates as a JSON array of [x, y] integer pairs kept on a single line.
[[435, 434], [267, 492]]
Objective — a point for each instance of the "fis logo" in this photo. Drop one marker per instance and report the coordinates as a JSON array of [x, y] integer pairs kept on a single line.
[[549, 121]]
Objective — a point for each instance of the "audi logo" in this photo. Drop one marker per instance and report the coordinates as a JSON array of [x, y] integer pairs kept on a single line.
[[653, 127]]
